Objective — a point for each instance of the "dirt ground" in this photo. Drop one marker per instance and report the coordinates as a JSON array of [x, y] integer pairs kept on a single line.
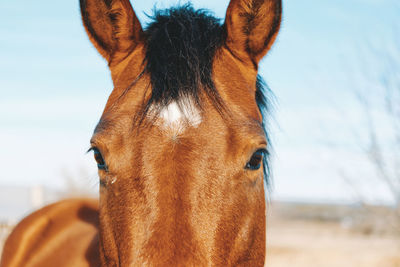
[[315, 243]]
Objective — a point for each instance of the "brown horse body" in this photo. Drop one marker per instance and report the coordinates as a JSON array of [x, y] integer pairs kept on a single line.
[[61, 234], [179, 146]]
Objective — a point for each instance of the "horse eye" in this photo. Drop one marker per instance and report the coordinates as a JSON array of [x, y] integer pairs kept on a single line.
[[99, 159], [256, 159]]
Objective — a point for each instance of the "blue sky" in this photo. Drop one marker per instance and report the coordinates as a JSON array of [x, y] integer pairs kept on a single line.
[[54, 85]]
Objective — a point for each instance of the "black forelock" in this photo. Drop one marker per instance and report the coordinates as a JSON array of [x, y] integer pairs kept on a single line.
[[180, 47]]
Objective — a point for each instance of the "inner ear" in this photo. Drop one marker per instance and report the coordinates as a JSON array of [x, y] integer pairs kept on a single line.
[[111, 25], [252, 27]]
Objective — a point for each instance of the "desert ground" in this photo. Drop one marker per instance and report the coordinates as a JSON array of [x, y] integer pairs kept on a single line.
[[322, 244], [331, 240]]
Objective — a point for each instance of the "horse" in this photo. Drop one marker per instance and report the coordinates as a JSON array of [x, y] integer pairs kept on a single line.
[[181, 146]]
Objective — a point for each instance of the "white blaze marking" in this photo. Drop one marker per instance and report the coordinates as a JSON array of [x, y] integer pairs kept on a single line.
[[172, 113], [178, 116]]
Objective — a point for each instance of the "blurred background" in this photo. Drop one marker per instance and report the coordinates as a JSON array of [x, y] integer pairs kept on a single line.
[[335, 72]]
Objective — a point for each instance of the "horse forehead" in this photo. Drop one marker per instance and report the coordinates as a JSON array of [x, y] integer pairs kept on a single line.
[[171, 120]]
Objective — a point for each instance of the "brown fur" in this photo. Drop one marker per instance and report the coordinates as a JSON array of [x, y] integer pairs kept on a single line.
[[166, 199], [61, 234]]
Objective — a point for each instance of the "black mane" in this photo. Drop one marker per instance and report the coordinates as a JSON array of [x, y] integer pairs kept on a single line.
[[181, 45], [264, 101]]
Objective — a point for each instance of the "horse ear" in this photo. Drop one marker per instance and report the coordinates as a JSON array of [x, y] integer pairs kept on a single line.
[[252, 26], [111, 25]]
